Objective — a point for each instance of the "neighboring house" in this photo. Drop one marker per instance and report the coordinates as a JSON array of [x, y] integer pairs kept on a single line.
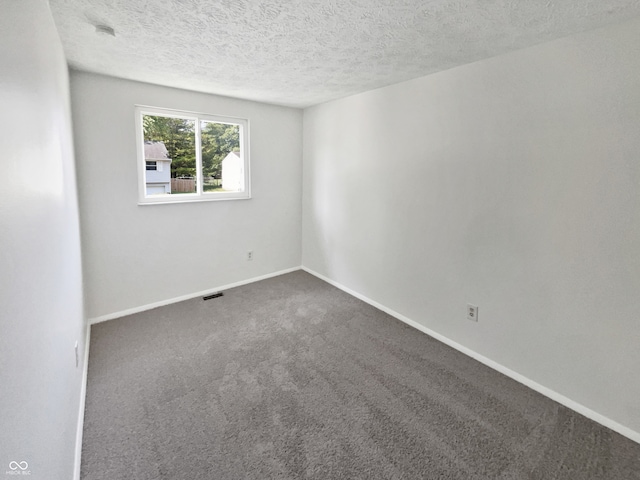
[[158, 168], [233, 172]]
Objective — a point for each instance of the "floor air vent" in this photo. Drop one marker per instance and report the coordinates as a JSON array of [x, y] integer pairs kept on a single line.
[[213, 295]]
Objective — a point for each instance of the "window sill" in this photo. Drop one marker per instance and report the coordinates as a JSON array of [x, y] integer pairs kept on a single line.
[[190, 200]]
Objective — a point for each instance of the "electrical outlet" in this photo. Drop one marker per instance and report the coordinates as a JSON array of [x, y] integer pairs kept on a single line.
[[472, 312], [77, 355], [250, 255]]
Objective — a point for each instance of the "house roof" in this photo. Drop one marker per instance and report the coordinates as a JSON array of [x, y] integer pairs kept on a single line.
[[155, 151]]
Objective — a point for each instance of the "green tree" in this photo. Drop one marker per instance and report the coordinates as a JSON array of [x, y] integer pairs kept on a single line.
[[218, 139]]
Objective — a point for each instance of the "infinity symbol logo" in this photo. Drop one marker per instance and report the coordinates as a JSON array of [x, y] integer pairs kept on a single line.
[[15, 465]]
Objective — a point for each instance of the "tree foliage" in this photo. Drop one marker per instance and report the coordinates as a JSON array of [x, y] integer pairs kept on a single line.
[[218, 139], [178, 135]]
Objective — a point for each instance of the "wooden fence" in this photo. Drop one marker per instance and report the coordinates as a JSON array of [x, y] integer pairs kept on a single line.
[[183, 185]]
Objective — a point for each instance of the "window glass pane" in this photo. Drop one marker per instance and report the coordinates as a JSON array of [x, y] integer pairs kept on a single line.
[[222, 158], [171, 163], [170, 143]]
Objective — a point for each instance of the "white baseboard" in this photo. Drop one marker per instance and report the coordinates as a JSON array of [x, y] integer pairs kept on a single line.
[[162, 303], [83, 396], [547, 392]]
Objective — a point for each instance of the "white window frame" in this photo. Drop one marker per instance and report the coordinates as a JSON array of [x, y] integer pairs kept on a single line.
[[199, 195]]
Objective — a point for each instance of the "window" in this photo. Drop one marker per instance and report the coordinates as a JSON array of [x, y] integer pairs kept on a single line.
[[191, 157]]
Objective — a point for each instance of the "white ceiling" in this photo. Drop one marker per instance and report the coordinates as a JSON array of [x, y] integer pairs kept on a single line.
[[303, 52]]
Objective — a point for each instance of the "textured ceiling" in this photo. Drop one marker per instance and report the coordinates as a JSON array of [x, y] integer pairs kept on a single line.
[[303, 52]]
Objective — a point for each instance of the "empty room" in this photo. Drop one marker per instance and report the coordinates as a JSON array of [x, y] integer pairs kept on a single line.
[[258, 239]]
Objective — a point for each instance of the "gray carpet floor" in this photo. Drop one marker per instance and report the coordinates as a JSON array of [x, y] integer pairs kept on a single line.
[[290, 378]]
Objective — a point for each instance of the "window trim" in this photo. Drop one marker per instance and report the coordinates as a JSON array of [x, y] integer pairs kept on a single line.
[[200, 195]]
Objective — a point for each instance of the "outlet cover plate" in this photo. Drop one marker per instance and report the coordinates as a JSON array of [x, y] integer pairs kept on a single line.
[[472, 312]]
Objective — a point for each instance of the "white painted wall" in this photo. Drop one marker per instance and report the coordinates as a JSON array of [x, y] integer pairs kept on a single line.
[[41, 314], [138, 255], [511, 183]]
